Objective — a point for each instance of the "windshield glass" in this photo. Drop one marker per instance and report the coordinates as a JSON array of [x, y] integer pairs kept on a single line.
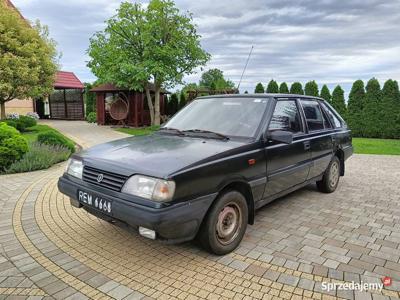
[[227, 116]]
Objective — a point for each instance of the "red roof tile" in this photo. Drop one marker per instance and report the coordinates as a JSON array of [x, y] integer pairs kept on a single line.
[[67, 80]]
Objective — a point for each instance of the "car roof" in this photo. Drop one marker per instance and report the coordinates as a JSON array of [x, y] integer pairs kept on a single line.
[[265, 95]]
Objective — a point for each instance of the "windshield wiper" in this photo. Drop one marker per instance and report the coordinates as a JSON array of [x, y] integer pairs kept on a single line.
[[172, 130], [207, 132]]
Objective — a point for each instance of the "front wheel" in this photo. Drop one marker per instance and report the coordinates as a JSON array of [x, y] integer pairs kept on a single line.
[[330, 180], [225, 224]]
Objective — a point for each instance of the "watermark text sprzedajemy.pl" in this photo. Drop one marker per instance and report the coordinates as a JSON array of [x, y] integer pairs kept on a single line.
[[352, 286]]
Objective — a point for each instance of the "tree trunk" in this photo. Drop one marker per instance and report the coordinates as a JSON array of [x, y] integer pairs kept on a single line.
[[150, 104], [157, 105], [3, 110]]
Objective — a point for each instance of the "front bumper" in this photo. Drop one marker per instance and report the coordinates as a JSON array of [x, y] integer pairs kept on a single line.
[[175, 223]]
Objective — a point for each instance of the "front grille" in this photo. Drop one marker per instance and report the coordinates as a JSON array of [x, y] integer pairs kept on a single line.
[[110, 181]]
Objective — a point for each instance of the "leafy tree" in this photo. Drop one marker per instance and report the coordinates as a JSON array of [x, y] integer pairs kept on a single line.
[[311, 88], [172, 104], [371, 112], [338, 101], [90, 99], [390, 112], [326, 94], [296, 88], [259, 88], [272, 87], [214, 80], [140, 43], [182, 100], [283, 88], [355, 108], [27, 58]]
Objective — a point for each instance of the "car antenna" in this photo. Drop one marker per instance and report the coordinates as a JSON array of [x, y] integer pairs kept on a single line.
[[245, 66]]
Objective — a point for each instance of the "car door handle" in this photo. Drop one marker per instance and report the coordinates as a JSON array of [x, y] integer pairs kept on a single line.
[[307, 145]]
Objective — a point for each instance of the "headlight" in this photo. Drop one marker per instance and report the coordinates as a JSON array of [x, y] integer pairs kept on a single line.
[[74, 168], [149, 188]]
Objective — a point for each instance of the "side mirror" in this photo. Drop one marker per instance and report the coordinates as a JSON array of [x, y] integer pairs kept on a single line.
[[280, 136]]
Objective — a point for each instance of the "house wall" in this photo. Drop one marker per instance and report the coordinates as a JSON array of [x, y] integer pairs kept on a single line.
[[19, 106]]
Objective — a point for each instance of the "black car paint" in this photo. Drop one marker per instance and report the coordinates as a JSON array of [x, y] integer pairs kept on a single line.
[[203, 167]]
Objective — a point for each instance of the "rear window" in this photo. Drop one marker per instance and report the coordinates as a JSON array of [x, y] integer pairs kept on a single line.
[[313, 113], [333, 115]]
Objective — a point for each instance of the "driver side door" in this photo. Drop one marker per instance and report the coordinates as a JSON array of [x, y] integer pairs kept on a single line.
[[287, 164]]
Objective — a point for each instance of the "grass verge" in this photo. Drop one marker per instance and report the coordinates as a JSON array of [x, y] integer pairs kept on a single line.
[[138, 131], [376, 146]]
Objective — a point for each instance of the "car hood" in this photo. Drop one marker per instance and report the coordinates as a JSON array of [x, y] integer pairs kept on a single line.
[[158, 155]]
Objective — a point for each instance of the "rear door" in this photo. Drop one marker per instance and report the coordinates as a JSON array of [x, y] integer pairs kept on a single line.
[[320, 136], [287, 165]]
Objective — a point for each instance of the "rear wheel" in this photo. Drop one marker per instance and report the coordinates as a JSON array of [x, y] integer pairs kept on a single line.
[[330, 180], [225, 224]]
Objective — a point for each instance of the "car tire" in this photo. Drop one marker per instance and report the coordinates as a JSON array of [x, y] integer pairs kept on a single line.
[[330, 179], [225, 224]]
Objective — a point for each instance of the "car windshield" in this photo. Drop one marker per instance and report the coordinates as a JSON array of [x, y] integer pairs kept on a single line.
[[225, 116]]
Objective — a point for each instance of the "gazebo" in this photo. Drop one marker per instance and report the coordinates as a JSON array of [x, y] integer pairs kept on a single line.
[[66, 102], [138, 113]]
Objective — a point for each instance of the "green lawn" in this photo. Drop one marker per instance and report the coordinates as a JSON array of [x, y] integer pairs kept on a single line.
[[31, 133], [138, 131], [376, 146]]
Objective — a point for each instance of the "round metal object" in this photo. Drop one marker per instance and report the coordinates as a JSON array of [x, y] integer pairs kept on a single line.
[[334, 174], [229, 223]]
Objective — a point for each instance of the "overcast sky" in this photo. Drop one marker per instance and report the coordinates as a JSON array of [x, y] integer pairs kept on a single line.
[[333, 42]]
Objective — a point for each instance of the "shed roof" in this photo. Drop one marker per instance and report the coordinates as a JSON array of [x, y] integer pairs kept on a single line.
[[67, 80], [109, 87]]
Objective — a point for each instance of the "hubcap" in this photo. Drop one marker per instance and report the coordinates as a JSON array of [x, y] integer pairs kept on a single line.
[[334, 174], [229, 223]]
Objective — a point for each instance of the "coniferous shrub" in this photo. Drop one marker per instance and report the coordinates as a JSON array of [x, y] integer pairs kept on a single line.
[[283, 88], [259, 88], [296, 88], [311, 89], [355, 108], [272, 87], [326, 94]]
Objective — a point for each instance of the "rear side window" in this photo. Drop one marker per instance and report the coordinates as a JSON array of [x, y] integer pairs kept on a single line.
[[332, 116], [313, 113], [286, 117]]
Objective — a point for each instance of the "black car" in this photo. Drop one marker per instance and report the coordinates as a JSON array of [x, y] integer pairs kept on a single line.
[[208, 169]]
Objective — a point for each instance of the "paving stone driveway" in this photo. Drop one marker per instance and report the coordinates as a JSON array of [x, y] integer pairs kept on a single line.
[[49, 249]]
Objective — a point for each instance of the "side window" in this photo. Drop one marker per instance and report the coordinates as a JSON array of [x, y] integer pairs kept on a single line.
[[334, 120], [327, 122], [313, 113], [286, 117]]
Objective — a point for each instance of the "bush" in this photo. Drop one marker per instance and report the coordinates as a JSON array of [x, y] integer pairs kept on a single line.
[[39, 156], [12, 145], [55, 138], [91, 117], [27, 121]]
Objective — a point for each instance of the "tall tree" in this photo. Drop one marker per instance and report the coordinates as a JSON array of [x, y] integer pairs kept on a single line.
[[355, 108], [390, 110], [28, 58], [338, 101], [283, 88], [326, 94], [155, 43], [259, 88], [311, 88], [272, 87], [371, 112], [214, 79], [296, 88]]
